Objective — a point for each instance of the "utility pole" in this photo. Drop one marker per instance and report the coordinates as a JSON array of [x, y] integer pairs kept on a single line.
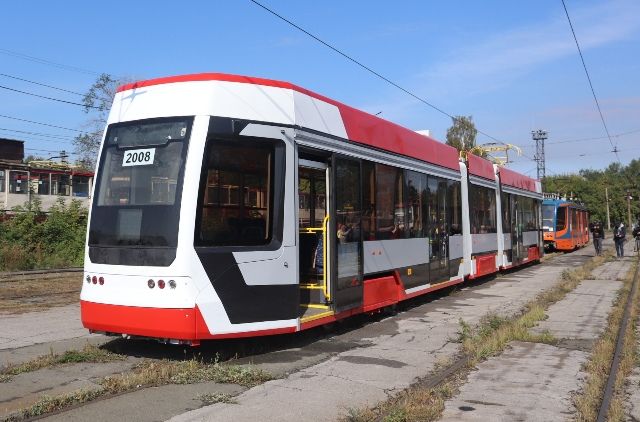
[[63, 156], [540, 136], [606, 196]]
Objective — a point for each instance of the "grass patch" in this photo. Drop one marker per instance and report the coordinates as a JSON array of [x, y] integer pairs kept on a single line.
[[588, 402], [147, 374], [489, 338], [213, 398], [89, 353]]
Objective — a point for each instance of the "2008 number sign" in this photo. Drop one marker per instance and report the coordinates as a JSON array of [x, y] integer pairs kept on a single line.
[[138, 157]]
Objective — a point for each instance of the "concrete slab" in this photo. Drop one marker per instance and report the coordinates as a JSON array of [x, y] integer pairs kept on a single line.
[[582, 314], [167, 401], [25, 389], [534, 382], [41, 327], [528, 382], [395, 353], [613, 270]]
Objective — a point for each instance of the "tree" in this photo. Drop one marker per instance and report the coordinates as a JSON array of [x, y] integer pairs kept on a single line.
[[97, 102], [462, 133]]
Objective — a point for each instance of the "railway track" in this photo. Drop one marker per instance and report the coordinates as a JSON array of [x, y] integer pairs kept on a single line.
[[44, 273], [617, 356]]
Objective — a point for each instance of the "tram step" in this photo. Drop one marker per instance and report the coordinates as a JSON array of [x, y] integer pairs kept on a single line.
[[311, 295]]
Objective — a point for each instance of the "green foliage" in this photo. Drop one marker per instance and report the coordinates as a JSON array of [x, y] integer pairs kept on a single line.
[[462, 133], [589, 187], [31, 239]]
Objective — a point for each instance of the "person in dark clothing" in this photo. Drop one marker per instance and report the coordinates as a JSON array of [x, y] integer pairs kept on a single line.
[[597, 232], [636, 236], [619, 233]]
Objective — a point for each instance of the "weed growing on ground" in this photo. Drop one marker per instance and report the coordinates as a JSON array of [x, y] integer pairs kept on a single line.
[[89, 353], [147, 374], [489, 338], [213, 398], [588, 402]]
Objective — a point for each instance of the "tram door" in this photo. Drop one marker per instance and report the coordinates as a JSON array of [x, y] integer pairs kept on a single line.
[[517, 249], [438, 231], [313, 222], [346, 213]]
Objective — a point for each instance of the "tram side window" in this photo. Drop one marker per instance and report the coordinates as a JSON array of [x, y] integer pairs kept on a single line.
[[529, 213], [390, 213], [368, 201], [237, 206], [561, 218], [505, 203], [482, 203], [454, 201], [417, 203]]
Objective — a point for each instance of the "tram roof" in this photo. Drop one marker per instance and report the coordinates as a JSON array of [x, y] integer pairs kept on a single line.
[[360, 127], [511, 178]]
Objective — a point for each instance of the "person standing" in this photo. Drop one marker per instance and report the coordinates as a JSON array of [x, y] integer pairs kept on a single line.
[[619, 234], [598, 235], [636, 236]]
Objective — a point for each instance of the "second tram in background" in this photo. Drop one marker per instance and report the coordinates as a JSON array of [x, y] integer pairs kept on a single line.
[[565, 224]]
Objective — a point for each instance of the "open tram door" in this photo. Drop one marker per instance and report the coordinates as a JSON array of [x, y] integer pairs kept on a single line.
[[313, 237]]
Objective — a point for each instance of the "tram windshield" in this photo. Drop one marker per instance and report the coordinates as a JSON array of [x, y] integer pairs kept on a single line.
[[137, 196], [547, 217]]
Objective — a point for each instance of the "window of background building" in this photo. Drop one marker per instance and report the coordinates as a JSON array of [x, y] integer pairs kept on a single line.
[[2, 180], [60, 184], [81, 186], [18, 182], [40, 183]]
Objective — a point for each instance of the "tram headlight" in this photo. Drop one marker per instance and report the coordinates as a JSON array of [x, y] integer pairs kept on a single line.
[[88, 278], [172, 284], [161, 284], [151, 284]]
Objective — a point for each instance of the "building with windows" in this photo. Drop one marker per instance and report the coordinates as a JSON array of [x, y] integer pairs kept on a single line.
[[47, 180]]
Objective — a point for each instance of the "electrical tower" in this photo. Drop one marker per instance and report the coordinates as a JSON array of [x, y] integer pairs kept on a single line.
[[540, 136]]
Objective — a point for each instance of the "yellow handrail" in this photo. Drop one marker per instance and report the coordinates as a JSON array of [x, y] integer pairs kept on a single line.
[[327, 294], [323, 230]]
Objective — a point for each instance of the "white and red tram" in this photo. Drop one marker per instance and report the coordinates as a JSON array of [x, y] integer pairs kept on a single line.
[[230, 206]]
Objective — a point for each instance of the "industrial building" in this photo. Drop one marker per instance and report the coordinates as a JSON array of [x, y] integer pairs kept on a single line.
[[21, 182]]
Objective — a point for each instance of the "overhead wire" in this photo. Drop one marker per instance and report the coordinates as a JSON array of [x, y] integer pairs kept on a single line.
[[47, 62], [584, 65], [47, 98], [46, 135], [42, 124], [41, 84], [365, 67]]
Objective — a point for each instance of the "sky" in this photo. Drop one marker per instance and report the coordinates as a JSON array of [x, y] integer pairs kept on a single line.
[[512, 66]]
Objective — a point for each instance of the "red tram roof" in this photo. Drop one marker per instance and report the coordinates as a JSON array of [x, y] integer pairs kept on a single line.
[[361, 127], [481, 167], [517, 180]]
